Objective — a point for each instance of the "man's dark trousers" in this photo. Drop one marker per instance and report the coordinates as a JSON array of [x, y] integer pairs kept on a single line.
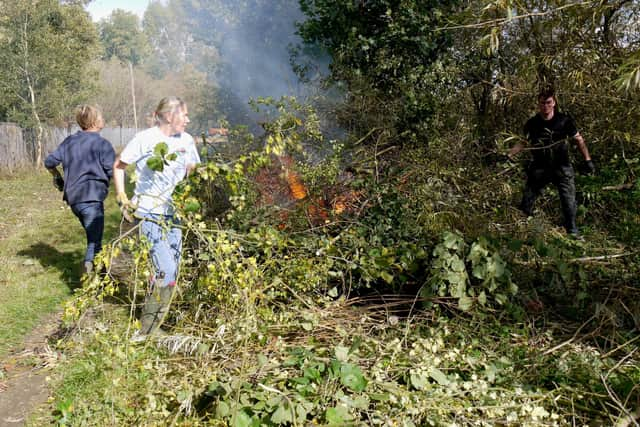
[[563, 178]]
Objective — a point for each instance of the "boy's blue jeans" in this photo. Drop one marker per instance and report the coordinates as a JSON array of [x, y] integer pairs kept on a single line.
[[166, 246], [91, 216]]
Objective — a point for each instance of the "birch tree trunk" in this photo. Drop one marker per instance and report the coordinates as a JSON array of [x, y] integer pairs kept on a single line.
[[38, 124], [133, 96], [32, 95]]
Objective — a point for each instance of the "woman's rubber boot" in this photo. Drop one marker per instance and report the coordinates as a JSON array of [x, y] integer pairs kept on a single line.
[[155, 309]]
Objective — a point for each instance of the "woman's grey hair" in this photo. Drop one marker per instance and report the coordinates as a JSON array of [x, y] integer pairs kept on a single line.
[[167, 106]]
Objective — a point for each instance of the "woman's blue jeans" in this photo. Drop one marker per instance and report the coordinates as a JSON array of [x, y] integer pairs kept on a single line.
[[91, 216], [166, 246]]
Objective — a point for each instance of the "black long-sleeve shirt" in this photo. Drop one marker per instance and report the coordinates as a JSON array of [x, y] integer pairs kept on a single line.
[[87, 160], [548, 139]]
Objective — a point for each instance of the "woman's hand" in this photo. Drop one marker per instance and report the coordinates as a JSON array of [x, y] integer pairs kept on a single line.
[[126, 208]]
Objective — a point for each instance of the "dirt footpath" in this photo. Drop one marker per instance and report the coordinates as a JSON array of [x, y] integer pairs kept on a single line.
[[23, 373]]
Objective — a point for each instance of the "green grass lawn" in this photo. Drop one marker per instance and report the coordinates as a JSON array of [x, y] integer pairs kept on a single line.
[[42, 246]]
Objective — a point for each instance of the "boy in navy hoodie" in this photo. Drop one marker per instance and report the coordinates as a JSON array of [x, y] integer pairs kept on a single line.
[[87, 161]]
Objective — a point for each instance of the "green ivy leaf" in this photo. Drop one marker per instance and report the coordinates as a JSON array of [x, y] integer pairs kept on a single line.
[[418, 380], [302, 409], [480, 271], [477, 252], [360, 402], [242, 419], [222, 410], [457, 264], [482, 298], [281, 415], [439, 376], [452, 241], [465, 303], [513, 288], [352, 378], [338, 415], [500, 266], [493, 284], [458, 283]]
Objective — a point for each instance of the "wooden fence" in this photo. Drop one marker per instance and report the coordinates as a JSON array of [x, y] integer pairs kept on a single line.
[[18, 150]]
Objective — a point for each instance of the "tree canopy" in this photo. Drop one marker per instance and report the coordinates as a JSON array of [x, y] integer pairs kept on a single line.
[[122, 37], [387, 51], [46, 48]]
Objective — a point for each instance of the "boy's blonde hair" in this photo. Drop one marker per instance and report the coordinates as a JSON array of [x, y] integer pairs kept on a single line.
[[89, 116]]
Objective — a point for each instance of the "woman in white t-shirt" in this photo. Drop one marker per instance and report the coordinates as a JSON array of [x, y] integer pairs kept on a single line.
[[152, 200]]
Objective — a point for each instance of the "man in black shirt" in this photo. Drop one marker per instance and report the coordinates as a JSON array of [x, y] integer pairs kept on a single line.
[[548, 133]]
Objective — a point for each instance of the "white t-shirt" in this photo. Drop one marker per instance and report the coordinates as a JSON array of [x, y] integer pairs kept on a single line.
[[154, 189]]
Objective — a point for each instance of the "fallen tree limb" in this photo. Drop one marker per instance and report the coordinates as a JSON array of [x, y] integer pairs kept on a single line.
[[627, 186], [601, 257]]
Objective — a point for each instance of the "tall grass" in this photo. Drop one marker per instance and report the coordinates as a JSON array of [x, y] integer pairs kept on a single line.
[[41, 250]]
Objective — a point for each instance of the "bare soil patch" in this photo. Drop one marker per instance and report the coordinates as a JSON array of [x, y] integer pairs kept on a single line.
[[23, 373]]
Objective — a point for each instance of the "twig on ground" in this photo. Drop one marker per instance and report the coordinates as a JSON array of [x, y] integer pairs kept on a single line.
[[619, 347], [629, 417], [570, 340]]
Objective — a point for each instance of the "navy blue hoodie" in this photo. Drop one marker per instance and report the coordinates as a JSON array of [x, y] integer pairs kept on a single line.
[[87, 160]]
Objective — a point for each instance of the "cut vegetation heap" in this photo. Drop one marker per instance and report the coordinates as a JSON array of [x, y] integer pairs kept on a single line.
[[414, 307]]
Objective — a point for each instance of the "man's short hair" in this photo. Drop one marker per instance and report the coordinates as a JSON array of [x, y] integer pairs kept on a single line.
[[547, 92]]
